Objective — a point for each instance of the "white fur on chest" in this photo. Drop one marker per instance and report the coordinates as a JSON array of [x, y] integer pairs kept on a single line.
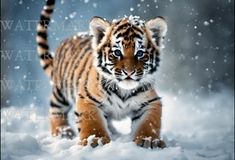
[[116, 108]]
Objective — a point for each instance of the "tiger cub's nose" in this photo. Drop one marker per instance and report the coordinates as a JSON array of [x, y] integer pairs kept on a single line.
[[128, 73]]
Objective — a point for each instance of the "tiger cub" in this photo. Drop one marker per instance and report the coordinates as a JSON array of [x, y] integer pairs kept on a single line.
[[108, 75]]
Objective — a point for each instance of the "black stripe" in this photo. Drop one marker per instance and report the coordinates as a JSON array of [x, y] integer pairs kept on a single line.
[[128, 30], [136, 28], [105, 70], [44, 21], [154, 99], [104, 85], [77, 59], [135, 93], [86, 89], [157, 59], [79, 121], [81, 96], [121, 27], [110, 101], [91, 97], [139, 90], [64, 115], [153, 69], [144, 104], [57, 113], [75, 67], [52, 104], [97, 76], [120, 106], [46, 56], [50, 2], [61, 56], [105, 116], [46, 66], [138, 116], [43, 45], [76, 114], [127, 33], [63, 101], [67, 68], [139, 74], [100, 57], [108, 64], [84, 41], [119, 35], [138, 36], [80, 73], [42, 34], [151, 57], [59, 92]]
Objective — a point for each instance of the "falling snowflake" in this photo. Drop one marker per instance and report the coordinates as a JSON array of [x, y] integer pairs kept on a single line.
[[206, 23], [131, 9], [94, 5], [17, 67], [72, 15], [199, 34]]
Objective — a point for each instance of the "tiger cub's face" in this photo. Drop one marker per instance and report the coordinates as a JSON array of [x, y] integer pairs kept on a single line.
[[127, 51]]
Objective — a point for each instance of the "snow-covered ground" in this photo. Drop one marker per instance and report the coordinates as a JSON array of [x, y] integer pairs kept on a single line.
[[195, 128]]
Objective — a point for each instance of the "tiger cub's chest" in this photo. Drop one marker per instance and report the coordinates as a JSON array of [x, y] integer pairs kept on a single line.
[[118, 107]]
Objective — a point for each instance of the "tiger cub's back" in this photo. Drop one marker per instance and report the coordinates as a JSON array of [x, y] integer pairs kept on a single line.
[[71, 60]]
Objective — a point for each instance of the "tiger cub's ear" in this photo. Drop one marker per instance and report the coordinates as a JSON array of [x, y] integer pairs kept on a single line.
[[157, 28], [98, 27]]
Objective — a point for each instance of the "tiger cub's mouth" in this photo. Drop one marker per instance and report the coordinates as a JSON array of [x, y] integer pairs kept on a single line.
[[128, 78], [128, 83]]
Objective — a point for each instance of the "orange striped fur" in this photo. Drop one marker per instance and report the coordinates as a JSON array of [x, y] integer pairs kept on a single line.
[[107, 74]]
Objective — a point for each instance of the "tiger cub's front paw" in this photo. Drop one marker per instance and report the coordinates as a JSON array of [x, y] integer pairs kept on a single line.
[[64, 132], [148, 142], [94, 141]]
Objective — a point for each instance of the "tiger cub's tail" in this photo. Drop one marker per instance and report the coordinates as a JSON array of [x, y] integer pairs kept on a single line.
[[46, 58]]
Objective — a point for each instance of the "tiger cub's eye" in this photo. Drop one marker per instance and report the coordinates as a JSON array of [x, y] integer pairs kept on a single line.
[[140, 54], [117, 53]]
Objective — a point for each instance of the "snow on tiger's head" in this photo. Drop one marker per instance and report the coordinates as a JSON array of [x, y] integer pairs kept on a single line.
[[126, 51]]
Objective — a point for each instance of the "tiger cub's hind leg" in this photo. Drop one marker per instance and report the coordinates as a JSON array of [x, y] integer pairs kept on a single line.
[[59, 108]]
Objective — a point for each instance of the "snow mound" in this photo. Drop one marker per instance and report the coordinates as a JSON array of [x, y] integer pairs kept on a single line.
[[25, 147], [194, 129]]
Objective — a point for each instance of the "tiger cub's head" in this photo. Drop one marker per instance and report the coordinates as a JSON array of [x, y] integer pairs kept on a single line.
[[126, 51]]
